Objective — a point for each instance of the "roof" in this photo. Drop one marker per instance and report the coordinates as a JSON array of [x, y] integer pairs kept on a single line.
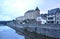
[[30, 11], [37, 9], [33, 10], [54, 11], [42, 15]]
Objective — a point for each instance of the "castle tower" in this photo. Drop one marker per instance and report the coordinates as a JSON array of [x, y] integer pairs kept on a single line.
[[37, 10]]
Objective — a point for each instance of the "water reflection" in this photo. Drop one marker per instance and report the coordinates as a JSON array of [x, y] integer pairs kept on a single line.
[[9, 33]]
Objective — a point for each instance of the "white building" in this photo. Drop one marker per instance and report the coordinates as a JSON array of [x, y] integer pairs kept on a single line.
[[32, 14], [40, 20], [58, 18], [51, 19], [53, 16]]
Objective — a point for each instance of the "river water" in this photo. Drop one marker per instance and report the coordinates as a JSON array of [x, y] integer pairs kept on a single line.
[[9, 33]]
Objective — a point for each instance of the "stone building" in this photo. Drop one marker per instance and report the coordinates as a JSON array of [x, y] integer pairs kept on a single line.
[[32, 14], [20, 19], [29, 16]]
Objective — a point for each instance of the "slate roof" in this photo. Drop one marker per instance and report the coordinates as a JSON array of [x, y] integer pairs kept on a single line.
[[37, 9], [54, 11], [30, 11]]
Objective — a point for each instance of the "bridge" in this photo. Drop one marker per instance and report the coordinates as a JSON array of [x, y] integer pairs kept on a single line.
[[34, 31]]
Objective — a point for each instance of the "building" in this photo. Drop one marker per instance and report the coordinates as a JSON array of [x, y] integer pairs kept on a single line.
[[53, 16], [20, 19], [44, 16], [29, 16], [51, 19], [40, 20], [32, 17], [32, 14], [58, 17]]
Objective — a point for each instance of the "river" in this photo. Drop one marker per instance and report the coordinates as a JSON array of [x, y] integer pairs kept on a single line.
[[9, 33]]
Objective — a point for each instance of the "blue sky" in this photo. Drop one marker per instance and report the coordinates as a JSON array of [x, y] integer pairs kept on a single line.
[[10, 9]]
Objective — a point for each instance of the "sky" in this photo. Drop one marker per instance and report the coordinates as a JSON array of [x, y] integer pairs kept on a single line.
[[10, 9]]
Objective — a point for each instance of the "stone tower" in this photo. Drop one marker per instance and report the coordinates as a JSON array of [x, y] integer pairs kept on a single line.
[[37, 10]]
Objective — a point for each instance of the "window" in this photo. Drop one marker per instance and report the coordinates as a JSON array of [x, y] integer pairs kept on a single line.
[[50, 21], [50, 18]]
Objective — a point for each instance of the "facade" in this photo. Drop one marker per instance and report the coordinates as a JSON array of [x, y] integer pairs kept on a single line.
[[53, 16], [20, 19], [32, 14], [51, 19], [58, 18], [40, 20], [29, 16], [44, 16]]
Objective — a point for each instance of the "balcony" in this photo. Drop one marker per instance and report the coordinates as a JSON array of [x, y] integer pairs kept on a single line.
[[51, 19], [51, 16]]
